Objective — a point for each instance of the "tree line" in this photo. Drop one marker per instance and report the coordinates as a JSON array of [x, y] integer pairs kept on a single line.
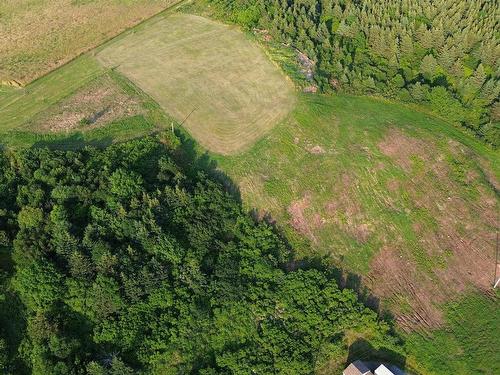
[[444, 54], [127, 261]]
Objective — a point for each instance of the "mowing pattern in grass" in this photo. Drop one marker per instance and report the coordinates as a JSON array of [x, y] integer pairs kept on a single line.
[[37, 36], [207, 75], [389, 193]]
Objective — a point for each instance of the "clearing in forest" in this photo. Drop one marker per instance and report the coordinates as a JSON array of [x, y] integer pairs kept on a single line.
[[397, 197], [215, 81]]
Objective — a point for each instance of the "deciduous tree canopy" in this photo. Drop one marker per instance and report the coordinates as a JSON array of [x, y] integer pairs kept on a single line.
[[125, 262]]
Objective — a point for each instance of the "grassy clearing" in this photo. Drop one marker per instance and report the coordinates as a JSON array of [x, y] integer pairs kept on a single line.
[[394, 195], [102, 108], [19, 105], [209, 76], [117, 131], [38, 36], [467, 344]]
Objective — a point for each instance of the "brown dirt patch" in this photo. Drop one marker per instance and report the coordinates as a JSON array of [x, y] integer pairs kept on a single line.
[[393, 276], [346, 211], [317, 150], [393, 185], [99, 103], [362, 232], [402, 148], [298, 218], [318, 221], [310, 89], [454, 235]]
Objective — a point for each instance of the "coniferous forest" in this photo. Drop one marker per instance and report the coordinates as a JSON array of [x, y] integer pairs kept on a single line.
[[444, 54], [125, 262]]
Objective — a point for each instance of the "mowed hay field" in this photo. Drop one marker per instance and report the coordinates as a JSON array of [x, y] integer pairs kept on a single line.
[[214, 80], [37, 36]]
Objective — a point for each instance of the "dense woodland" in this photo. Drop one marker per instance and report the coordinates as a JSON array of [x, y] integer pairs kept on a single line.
[[121, 261], [444, 54]]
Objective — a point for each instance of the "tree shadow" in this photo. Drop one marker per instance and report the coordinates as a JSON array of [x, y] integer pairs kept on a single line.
[[193, 160], [374, 357], [97, 115], [72, 142]]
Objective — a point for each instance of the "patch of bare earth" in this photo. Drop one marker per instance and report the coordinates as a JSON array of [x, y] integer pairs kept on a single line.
[[346, 212], [95, 105], [298, 219], [392, 275], [459, 245], [317, 150]]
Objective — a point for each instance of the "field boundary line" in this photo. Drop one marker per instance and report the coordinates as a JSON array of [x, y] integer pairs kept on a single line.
[[91, 49]]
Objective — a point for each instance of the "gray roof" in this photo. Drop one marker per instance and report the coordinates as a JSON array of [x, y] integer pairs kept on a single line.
[[357, 368]]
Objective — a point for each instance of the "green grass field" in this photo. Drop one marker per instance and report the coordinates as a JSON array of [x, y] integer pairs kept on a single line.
[[389, 193], [18, 105], [467, 344], [209, 76]]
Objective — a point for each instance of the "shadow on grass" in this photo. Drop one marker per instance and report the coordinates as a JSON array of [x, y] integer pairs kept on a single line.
[[194, 161], [73, 142]]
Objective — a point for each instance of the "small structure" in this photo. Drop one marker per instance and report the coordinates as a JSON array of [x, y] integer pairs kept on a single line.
[[382, 370], [357, 368], [360, 368]]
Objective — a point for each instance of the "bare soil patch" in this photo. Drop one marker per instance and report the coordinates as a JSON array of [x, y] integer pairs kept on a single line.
[[454, 233], [401, 148], [298, 216], [317, 150], [100, 102], [346, 212], [395, 277]]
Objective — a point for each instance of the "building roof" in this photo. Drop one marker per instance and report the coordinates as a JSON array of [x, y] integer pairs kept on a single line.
[[382, 370], [357, 368]]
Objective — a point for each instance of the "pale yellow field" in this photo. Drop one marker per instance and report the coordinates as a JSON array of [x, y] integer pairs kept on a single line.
[[37, 36], [209, 76]]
